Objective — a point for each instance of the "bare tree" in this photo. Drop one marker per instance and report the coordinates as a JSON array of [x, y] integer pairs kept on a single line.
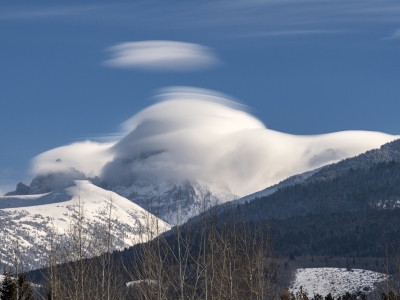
[[72, 271], [215, 256]]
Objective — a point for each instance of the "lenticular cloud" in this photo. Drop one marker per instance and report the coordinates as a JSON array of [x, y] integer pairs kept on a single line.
[[162, 56], [201, 135]]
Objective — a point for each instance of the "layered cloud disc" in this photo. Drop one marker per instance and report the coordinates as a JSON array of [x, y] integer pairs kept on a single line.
[[201, 135], [162, 56]]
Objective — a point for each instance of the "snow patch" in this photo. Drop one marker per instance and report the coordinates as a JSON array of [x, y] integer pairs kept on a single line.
[[336, 281]]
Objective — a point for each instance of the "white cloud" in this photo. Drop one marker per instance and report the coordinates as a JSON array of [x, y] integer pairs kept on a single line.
[[88, 157], [22, 13], [394, 36], [162, 56], [197, 134], [295, 32]]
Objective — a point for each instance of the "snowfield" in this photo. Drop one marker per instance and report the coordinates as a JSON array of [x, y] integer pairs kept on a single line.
[[336, 281], [27, 221]]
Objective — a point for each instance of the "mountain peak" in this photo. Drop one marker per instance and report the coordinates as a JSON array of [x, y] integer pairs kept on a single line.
[[21, 189], [28, 219]]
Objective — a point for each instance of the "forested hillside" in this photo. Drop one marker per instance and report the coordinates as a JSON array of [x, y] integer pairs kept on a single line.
[[363, 189], [352, 234], [387, 152]]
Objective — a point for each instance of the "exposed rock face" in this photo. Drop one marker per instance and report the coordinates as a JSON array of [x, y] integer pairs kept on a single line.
[[47, 183], [176, 201], [22, 189]]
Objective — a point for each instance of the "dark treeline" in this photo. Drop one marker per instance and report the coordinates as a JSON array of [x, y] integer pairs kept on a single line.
[[377, 187], [372, 233], [15, 287]]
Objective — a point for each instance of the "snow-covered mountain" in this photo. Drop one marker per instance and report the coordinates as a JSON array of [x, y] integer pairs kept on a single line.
[[386, 153], [174, 202], [336, 281], [194, 145], [292, 180], [27, 221]]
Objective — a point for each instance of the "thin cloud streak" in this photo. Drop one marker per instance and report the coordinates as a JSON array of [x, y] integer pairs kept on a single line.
[[260, 13], [279, 33], [394, 36], [18, 13]]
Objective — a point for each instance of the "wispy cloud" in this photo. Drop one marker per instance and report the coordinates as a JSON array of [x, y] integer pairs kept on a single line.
[[162, 56], [245, 15], [15, 13], [279, 33], [394, 36]]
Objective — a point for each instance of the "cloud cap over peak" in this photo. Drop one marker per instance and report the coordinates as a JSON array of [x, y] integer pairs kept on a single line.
[[162, 56], [195, 134]]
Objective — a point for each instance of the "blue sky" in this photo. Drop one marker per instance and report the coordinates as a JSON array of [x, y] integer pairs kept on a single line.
[[302, 67]]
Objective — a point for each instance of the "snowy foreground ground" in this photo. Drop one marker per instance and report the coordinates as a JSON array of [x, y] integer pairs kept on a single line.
[[336, 281]]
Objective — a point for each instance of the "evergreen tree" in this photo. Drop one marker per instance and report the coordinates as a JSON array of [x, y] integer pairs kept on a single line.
[[24, 288], [8, 287], [301, 295], [329, 297]]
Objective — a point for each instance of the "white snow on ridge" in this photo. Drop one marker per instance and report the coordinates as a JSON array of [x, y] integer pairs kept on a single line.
[[300, 178], [175, 201], [28, 226], [336, 281]]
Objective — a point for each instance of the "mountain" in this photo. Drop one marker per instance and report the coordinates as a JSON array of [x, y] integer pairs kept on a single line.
[[375, 187], [349, 208], [46, 183], [292, 180], [352, 213], [174, 201], [387, 152], [28, 221]]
